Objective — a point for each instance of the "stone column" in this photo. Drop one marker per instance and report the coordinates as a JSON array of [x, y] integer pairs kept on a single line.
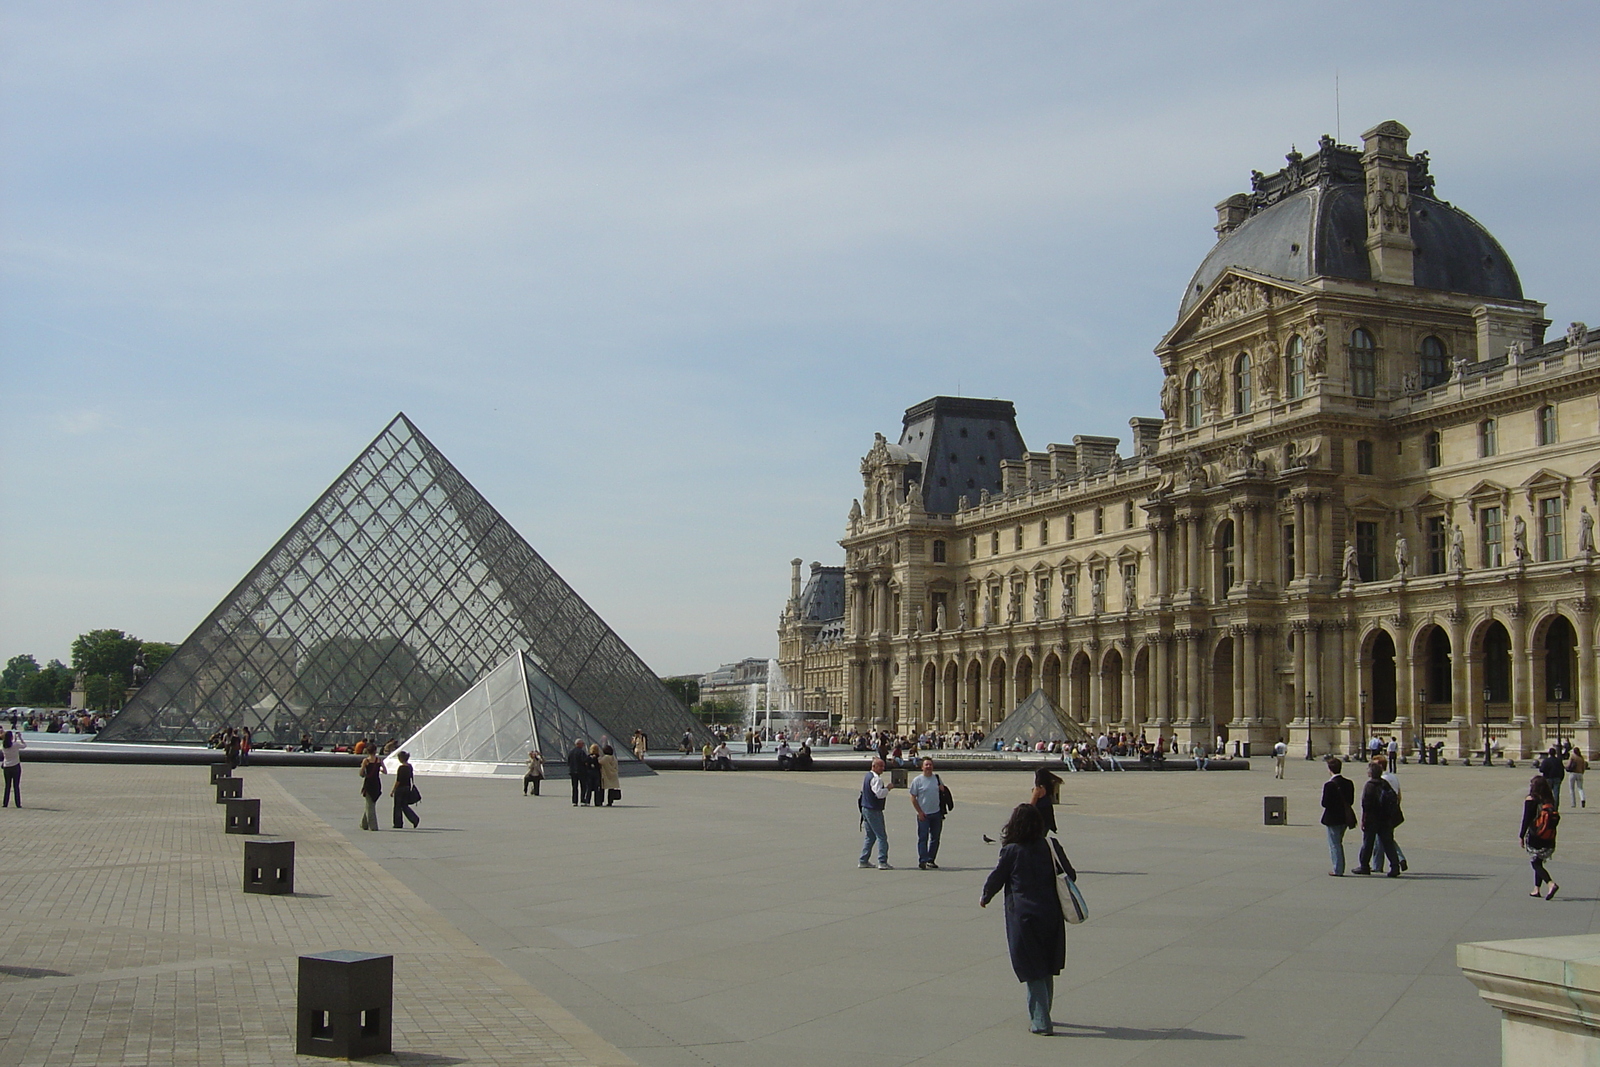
[[1524, 711], [1240, 666], [1405, 697], [1252, 673], [1248, 548], [1587, 712], [1158, 559], [1097, 690], [1301, 562], [1197, 553], [1161, 678], [1180, 666], [1301, 639], [1130, 705]]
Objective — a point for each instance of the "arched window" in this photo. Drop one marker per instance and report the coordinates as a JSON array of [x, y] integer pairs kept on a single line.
[[1548, 432], [1435, 367], [1363, 363], [1225, 567], [1241, 384], [1191, 400], [1488, 437], [1294, 367]]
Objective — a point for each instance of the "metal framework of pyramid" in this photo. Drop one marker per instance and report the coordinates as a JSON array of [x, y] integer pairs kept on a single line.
[[1039, 719], [512, 710], [396, 590]]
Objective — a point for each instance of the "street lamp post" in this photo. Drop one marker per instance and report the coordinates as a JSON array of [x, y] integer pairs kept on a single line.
[[1422, 725], [1362, 725], [1560, 694], [1310, 702], [1488, 740]]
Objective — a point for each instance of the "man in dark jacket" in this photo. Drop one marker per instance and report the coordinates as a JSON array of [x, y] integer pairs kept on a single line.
[[1377, 829], [1338, 812], [1553, 772], [577, 767]]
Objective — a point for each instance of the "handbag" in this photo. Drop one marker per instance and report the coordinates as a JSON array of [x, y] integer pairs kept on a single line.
[[1074, 908], [416, 795], [613, 794]]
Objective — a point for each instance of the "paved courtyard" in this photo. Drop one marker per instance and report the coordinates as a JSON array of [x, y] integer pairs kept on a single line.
[[720, 919]]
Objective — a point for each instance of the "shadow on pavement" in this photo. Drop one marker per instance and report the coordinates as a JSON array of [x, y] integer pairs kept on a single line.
[[1128, 1033]]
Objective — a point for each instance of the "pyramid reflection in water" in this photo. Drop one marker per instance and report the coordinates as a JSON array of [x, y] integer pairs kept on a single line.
[[381, 605]]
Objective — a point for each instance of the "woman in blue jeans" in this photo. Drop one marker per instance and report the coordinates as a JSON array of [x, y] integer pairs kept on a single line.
[[1036, 933], [1338, 812]]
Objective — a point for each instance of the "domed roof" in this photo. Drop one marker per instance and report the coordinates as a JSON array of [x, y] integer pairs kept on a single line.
[[1309, 220]]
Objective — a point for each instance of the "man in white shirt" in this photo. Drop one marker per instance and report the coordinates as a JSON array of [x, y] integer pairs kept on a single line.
[[1280, 752], [930, 815], [874, 791]]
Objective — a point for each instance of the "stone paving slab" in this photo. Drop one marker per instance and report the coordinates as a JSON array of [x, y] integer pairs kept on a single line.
[[720, 919], [128, 939]]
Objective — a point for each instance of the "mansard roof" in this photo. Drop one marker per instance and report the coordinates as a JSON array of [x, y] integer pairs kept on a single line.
[[1309, 220]]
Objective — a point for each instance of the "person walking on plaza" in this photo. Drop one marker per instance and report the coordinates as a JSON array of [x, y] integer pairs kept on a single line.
[[1036, 932], [11, 761], [1575, 768], [1393, 779], [1280, 752], [1393, 751], [874, 793], [1538, 833], [1338, 812], [1046, 787], [371, 790], [404, 791], [1553, 770], [577, 767], [535, 773], [610, 779], [1378, 820], [926, 801]]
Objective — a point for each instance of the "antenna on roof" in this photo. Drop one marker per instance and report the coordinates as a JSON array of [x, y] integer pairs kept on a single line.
[[1338, 132]]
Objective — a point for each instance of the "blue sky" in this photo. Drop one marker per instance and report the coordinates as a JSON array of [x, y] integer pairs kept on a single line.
[[652, 274]]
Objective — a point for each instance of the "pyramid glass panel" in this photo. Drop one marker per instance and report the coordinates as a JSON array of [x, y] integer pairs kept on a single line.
[[399, 586]]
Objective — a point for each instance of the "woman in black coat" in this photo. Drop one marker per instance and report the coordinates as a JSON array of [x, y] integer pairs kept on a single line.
[[1035, 931]]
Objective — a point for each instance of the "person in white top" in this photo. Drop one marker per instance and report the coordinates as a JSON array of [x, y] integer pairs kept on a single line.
[[1280, 752], [1400, 853], [11, 759]]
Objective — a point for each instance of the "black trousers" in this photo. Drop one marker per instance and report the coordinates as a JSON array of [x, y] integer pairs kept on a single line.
[[527, 780], [403, 810], [13, 777], [1383, 839], [577, 785]]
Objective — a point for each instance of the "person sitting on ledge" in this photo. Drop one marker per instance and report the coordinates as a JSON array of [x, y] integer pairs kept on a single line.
[[802, 759], [721, 758]]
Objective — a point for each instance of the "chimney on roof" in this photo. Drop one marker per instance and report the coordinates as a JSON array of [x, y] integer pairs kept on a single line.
[[1387, 166], [794, 579], [1231, 212]]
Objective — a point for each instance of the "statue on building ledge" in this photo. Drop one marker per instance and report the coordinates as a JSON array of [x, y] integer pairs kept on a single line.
[[1585, 532], [938, 617], [1097, 596], [1458, 551], [1352, 565], [1519, 540], [1402, 557], [961, 615]]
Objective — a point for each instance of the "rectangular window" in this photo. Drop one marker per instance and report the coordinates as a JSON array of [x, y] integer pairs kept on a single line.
[[1432, 449], [1551, 544], [1017, 545], [1288, 553], [1491, 531], [972, 547], [1044, 531], [1363, 457], [1548, 434], [1127, 515], [1488, 438], [1099, 520], [1437, 544], [1044, 596], [938, 551], [1367, 550], [1072, 527], [994, 543]]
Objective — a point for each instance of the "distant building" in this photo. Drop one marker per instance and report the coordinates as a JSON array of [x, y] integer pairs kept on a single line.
[[1368, 508], [741, 683]]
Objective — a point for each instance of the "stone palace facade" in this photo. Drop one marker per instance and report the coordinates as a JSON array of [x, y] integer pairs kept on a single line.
[[1368, 508]]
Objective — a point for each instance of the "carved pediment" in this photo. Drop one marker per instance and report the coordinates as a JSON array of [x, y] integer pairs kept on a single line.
[[1234, 295]]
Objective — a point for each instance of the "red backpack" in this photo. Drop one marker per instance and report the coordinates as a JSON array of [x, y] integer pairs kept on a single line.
[[1544, 825]]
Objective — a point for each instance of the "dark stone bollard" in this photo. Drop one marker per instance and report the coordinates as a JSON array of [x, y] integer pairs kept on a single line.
[[220, 771], [1275, 811], [898, 778], [243, 816], [345, 1004], [269, 867], [229, 789]]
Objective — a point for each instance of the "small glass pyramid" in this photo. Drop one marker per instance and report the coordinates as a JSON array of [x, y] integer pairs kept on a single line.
[[1039, 719], [379, 607], [510, 711]]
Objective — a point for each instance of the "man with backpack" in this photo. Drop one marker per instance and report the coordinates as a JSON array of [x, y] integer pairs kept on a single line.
[[927, 797], [1553, 770], [1380, 814]]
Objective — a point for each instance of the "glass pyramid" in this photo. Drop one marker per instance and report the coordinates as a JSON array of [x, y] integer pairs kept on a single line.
[[511, 710], [379, 607], [1039, 719]]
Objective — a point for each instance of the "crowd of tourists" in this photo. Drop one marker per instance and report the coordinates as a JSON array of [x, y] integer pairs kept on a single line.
[[67, 721]]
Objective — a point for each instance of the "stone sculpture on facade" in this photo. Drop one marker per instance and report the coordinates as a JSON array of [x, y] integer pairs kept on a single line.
[[1069, 595], [1576, 334], [1458, 551], [1585, 527], [1097, 596], [1352, 564], [1402, 557], [1317, 350], [1171, 396], [1519, 539], [916, 620], [938, 617], [1041, 602], [961, 615], [1130, 590]]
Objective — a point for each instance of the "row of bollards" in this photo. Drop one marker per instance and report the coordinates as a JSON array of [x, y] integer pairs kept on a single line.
[[345, 1001]]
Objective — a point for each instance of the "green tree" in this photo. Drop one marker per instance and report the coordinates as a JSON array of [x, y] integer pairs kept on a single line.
[[103, 692], [155, 654], [18, 670], [107, 652], [50, 687], [685, 687], [715, 711]]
